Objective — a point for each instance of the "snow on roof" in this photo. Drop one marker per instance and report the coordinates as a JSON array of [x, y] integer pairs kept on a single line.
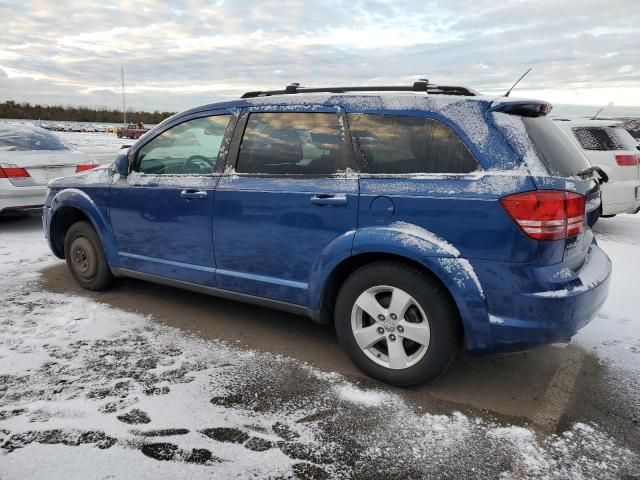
[[587, 122]]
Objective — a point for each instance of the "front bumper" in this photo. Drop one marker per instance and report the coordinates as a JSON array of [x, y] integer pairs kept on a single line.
[[534, 306]]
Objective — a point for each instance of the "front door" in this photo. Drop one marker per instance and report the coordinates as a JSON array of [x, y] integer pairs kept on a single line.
[[161, 213], [291, 195]]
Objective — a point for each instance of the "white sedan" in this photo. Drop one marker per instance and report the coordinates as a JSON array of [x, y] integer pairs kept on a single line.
[[30, 157]]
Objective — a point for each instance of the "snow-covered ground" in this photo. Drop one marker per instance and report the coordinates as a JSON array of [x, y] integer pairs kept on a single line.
[[615, 334], [101, 147], [89, 391]]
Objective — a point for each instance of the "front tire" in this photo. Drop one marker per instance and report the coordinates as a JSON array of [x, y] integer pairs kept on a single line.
[[85, 257], [397, 323]]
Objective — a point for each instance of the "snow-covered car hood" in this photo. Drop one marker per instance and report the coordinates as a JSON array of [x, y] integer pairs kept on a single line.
[[104, 175]]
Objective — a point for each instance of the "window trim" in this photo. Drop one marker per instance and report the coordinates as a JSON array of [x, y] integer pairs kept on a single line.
[[415, 175], [234, 148], [223, 152]]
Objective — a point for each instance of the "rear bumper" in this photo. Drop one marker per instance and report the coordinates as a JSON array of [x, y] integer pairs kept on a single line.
[[534, 306], [20, 198], [620, 197]]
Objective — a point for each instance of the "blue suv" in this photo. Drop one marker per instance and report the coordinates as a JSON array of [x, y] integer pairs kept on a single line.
[[416, 219]]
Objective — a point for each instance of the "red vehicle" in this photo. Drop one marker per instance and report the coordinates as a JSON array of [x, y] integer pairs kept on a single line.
[[132, 131]]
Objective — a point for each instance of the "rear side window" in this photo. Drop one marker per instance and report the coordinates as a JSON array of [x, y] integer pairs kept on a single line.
[[18, 138], [604, 138], [189, 148], [560, 155], [390, 144], [291, 144], [599, 138]]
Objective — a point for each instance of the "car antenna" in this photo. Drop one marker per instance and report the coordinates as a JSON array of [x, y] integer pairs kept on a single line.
[[597, 113], [517, 82]]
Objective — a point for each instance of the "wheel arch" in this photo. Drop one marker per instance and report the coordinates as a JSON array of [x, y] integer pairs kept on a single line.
[[455, 276], [71, 206]]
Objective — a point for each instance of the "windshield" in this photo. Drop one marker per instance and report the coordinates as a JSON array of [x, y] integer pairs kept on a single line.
[[23, 138], [560, 155]]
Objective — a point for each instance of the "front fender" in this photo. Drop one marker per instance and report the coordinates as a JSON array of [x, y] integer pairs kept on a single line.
[[75, 198], [441, 259]]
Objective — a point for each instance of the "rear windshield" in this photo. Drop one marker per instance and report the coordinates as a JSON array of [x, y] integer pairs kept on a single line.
[[560, 155], [601, 138], [21, 138]]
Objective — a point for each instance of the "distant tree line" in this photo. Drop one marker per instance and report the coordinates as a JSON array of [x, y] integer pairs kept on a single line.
[[25, 110]]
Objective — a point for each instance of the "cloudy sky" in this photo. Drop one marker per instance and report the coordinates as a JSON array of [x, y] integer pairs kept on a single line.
[[186, 52]]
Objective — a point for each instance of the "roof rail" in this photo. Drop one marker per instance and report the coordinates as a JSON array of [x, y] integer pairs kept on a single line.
[[421, 85]]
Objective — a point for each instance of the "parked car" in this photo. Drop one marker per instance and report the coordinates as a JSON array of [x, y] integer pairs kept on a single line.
[[418, 220], [609, 146], [131, 131], [29, 158]]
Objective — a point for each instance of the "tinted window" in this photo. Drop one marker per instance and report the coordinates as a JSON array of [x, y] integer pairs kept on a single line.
[[401, 144], [291, 143], [597, 138], [557, 151], [23, 138], [188, 148]]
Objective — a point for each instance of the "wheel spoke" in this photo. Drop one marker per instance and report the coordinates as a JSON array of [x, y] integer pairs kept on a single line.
[[418, 332], [400, 302], [368, 302], [368, 336], [397, 356]]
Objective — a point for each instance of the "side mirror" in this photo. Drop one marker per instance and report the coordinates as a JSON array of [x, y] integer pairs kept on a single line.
[[122, 164]]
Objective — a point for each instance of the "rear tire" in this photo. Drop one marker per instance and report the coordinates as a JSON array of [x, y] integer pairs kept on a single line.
[[85, 257], [408, 331]]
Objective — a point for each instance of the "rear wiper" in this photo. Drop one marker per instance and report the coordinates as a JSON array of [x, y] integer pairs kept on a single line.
[[601, 176]]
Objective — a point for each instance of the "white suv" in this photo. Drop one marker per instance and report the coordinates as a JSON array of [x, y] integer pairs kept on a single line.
[[612, 148]]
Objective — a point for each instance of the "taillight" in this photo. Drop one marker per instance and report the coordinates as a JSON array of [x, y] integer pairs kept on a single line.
[[13, 171], [86, 166], [626, 160], [547, 214]]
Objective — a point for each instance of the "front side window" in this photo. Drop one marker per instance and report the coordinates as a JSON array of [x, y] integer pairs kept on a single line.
[[390, 144], [190, 148], [291, 144]]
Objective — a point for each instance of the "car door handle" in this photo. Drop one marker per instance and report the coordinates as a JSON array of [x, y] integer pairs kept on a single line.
[[328, 199], [193, 194]]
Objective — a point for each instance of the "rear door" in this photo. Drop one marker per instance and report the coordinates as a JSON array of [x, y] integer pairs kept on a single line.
[[161, 213], [288, 197]]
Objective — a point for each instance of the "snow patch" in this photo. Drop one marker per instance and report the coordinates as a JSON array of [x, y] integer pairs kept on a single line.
[[418, 236], [516, 133], [97, 176], [369, 398], [143, 179], [461, 272]]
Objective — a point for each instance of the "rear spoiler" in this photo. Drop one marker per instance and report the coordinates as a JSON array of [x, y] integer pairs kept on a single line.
[[524, 108]]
